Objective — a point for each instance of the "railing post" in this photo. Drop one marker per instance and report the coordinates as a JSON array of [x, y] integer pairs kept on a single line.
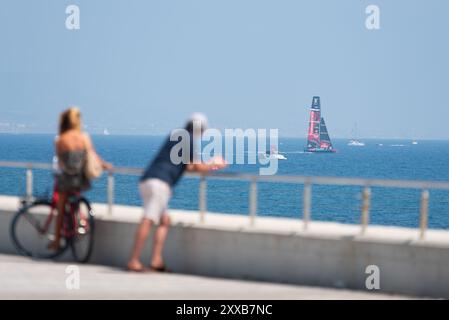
[[307, 204], [202, 198], [253, 202], [424, 214], [29, 184], [111, 187], [366, 200]]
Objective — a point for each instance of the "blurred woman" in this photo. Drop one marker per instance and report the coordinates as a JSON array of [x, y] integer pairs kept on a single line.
[[72, 146]]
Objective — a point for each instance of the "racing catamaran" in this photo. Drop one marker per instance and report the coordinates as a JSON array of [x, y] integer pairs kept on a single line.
[[318, 139]]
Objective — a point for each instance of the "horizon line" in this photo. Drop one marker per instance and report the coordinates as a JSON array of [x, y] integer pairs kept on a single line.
[[280, 136]]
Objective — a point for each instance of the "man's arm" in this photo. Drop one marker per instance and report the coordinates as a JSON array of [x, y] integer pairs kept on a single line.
[[199, 167], [216, 164]]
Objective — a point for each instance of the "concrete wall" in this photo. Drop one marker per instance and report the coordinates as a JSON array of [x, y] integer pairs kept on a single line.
[[275, 249]]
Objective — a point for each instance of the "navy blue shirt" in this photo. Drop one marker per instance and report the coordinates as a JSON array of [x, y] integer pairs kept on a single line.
[[163, 168]]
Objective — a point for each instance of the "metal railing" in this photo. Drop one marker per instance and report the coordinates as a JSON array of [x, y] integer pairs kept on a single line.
[[307, 181]]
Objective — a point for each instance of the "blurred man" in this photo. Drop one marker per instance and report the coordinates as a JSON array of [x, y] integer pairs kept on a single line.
[[156, 187]]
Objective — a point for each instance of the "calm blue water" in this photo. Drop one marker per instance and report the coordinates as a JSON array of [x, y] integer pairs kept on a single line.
[[429, 160]]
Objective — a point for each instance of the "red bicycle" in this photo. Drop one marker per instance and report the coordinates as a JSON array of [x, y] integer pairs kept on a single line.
[[33, 228]]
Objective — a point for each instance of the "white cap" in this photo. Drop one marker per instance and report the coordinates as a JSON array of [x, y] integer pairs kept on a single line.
[[199, 117]]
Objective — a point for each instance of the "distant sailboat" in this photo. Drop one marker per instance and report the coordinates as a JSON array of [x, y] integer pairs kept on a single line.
[[106, 132], [354, 142], [318, 139]]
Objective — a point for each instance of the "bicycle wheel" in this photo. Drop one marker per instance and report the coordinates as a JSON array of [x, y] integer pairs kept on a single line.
[[83, 226], [33, 228]]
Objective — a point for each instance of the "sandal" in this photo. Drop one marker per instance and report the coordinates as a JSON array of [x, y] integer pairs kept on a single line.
[[163, 268], [134, 269]]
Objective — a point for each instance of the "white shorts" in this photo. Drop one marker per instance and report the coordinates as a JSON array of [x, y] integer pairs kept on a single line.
[[155, 195]]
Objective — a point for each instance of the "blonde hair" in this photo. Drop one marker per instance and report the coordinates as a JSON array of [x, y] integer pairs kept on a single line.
[[70, 120]]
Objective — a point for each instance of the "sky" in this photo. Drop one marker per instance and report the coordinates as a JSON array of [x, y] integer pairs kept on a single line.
[[142, 66]]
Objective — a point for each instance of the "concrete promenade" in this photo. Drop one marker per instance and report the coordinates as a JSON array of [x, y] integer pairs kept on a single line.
[[23, 278], [275, 250]]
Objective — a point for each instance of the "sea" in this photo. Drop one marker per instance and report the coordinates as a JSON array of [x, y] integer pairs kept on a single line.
[[386, 159]]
